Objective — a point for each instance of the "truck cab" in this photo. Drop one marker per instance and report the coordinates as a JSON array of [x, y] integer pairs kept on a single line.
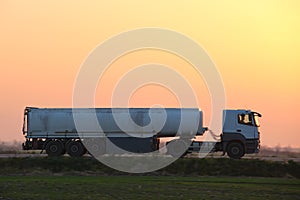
[[240, 133]]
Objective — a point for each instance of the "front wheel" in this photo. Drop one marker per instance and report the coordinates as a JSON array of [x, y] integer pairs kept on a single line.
[[235, 150]]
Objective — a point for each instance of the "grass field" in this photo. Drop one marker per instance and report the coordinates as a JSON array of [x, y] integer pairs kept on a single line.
[[146, 187], [187, 178]]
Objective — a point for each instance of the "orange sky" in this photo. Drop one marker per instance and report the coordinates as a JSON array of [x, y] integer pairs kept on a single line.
[[254, 44]]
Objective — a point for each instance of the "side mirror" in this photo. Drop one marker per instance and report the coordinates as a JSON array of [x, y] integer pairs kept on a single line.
[[258, 114]]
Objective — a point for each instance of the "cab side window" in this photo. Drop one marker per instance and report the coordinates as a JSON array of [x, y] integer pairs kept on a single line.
[[245, 119]]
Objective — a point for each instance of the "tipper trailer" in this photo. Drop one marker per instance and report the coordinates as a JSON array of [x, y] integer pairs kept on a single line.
[[55, 130]]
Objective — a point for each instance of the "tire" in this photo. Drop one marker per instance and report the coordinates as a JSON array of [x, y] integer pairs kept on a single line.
[[177, 148], [235, 150], [96, 146], [75, 149], [55, 148]]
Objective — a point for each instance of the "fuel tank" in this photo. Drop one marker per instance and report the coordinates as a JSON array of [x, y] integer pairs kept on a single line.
[[113, 122]]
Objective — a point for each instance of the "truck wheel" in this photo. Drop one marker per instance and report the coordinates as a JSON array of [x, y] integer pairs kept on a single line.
[[177, 148], [96, 146], [75, 149], [55, 148], [235, 150]]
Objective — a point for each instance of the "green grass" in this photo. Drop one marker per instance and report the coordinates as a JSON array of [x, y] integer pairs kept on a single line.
[[146, 187], [188, 178]]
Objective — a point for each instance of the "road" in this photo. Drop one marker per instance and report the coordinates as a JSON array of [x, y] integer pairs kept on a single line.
[[260, 157]]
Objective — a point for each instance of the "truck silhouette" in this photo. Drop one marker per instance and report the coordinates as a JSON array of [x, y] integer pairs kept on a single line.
[[136, 130]]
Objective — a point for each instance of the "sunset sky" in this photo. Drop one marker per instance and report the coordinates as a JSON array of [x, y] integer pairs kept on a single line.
[[254, 44]]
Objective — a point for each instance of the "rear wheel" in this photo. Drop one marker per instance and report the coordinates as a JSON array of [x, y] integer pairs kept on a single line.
[[75, 149], [95, 146], [55, 148], [235, 150]]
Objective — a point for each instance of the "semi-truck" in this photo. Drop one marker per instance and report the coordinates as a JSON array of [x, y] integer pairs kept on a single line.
[[137, 130]]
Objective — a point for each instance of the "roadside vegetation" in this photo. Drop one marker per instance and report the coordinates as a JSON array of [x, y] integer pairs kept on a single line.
[[10, 147], [182, 167]]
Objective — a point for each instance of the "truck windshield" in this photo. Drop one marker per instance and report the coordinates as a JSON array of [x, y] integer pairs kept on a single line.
[[256, 116]]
